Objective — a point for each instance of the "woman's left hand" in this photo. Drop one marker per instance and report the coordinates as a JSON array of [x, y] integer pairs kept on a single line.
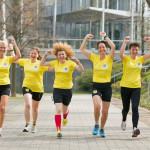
[[75, 59], [103, 34]]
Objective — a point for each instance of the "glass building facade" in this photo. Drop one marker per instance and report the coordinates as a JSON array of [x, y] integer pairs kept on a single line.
[[76, 18]]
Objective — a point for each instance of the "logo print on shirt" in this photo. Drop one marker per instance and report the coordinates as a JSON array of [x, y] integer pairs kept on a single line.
[[35, 68], [105, 66], [139, 65], [66, 70], [5, 65]]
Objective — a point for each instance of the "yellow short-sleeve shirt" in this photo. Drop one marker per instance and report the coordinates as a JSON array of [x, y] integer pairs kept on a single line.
[[33, 75], [101, 68], [131, 72], [63, 74], [4, 70]]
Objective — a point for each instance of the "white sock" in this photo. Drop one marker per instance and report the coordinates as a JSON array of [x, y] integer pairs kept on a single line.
[[0, 129]]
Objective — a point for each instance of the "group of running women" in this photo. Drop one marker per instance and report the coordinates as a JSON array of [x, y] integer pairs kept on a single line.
[[62, 93]]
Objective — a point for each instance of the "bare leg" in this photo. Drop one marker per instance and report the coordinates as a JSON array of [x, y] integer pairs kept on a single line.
[[97, 106], [28, 101], [3, 102], [35, 109], [105, 107]]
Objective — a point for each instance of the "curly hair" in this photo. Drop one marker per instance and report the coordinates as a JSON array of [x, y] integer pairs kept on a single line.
[[38, 51], [63, 47]]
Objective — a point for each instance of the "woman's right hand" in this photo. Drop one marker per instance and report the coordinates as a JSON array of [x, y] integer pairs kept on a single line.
[[126, 39], [48, 52], [89, 36]]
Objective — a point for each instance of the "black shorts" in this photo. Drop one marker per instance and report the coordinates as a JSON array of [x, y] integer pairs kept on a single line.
[[35, 95], [62, 96], [104, 90], [5, 90]]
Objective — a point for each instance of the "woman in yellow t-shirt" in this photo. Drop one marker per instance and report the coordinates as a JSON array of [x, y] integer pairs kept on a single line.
[[102, 90], [62, 92], [5, 62], [32, 86], [131, 82]]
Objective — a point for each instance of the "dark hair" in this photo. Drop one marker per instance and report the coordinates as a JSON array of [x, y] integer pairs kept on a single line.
[[38, 50], [134, 44], [103, 43]]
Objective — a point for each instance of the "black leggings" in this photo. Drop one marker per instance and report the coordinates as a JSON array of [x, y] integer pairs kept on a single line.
[[134, 95]]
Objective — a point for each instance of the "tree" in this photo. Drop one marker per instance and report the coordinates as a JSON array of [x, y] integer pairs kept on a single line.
[[22, 21]]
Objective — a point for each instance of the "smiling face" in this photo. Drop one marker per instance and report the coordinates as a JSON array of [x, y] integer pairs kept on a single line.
[[102, 49], [61, 56], [34, 54], [134, 50], [3, 48]]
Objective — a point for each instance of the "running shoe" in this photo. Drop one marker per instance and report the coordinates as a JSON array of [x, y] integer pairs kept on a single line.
[[135, 132], [26, 129], [34, 129], [59, 134], [95, 130], [102, 133], [65, 121], [123, 125]]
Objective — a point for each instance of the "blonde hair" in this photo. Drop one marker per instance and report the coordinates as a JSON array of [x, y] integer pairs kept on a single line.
[[63, 47], [38, 51], [4, 42]]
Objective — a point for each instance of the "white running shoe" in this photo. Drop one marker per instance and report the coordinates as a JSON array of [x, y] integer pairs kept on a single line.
[[34, 129], [26, 128], [123, 125]]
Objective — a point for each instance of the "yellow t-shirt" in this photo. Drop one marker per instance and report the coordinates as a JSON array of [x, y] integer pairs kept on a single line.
[[102, 68], [131, 72], [63, 74], [4, 70], [33, 75]]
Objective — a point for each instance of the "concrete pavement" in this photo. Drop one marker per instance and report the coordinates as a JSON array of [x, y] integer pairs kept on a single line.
[[77, 135]]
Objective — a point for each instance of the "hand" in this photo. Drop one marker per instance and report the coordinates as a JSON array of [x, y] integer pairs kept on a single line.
[[75, 59], [10, 46], [126, 39], [89, 36], [13, 40], [48, 53], [103, 34], [147, 39]]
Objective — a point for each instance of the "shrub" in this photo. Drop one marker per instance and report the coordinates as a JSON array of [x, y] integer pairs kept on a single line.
[[85, 81]]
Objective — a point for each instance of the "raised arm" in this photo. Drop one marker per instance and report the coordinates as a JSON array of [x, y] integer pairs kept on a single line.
[[121, 54], [11, 50], [83, 45], [18, 55], [79, 66], [112, 45], [43, 63], [147, 56]]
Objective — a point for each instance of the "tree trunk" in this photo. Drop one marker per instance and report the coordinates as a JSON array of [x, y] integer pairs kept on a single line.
[[13, 85]]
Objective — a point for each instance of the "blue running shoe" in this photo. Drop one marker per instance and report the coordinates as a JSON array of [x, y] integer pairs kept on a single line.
[[95, 130], [102, 133]]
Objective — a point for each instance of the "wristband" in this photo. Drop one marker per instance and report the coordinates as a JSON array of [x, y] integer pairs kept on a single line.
[[105, 37]]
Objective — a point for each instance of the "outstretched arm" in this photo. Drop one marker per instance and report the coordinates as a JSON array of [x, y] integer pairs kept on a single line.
[[147, 56], [112, 45], [79, 66], [18, 55], [43, 63], [83, 45], [121, 54]]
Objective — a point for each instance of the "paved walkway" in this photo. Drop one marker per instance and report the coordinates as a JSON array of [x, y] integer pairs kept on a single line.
[[77, 134]]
